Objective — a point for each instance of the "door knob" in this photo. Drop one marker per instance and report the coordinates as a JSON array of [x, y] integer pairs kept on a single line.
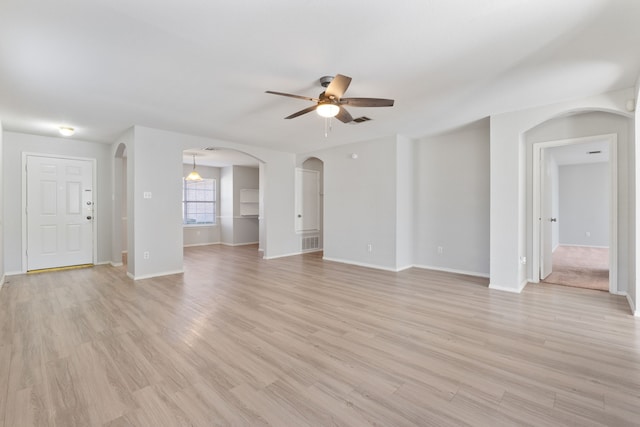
[[89, 217], [299, 216], [553, 219]]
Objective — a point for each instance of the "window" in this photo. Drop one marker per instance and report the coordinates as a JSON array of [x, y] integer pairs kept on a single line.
[[199, 202]]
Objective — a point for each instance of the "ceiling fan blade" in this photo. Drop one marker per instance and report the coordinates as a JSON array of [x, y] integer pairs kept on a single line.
[[338, 86], [292, 96], [344, 116], [301, 112], [367, 102]]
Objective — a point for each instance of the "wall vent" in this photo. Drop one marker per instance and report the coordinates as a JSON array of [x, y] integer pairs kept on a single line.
[[310, 243], [361, 119]]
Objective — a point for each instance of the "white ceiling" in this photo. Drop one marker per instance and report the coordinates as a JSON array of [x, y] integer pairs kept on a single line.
[[201, 67]]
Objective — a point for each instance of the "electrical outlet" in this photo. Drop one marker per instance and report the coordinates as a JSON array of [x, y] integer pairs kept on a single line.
[[370, 247], [145, 255], [440, 250], [588, 234]]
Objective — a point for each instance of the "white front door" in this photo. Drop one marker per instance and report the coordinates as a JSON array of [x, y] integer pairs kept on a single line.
[[59, 212]]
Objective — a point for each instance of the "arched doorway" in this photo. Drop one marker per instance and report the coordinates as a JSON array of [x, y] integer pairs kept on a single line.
[[556, 232], [232, 184]]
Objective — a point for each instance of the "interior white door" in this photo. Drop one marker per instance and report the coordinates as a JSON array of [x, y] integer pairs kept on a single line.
[[546, 218], [307, 200], [59, 212]]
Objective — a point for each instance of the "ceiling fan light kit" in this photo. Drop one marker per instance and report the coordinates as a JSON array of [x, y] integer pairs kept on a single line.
[[327, 110], [330, 103]]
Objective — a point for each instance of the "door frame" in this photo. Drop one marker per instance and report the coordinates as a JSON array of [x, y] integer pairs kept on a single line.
[[612, 140], [96, 217]]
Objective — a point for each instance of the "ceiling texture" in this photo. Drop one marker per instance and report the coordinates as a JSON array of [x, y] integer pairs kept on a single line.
[[202, 67]]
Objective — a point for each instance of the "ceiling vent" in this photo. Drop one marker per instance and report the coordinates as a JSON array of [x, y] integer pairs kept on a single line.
[[361, 119]]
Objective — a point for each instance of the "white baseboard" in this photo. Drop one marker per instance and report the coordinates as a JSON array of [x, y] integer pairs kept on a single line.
[[150, 276], [282, 256], [2, 280], [116, 264], [239, 244], [191, 245], [102, 263], [360, 264], [452, 270], [508, 288], [14, 273], [632, 306]]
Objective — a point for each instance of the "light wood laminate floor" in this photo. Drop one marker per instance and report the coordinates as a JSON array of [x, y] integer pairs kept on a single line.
[[238, 340]]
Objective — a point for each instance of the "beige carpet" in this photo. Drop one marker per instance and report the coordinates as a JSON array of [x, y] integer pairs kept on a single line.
[[581, 267]]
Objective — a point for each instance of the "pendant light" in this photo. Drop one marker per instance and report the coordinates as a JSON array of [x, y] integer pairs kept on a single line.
[[194, 175]]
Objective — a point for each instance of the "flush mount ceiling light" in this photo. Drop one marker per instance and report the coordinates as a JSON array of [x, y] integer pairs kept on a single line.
[[66, 130], [194, 175], [327, 110]]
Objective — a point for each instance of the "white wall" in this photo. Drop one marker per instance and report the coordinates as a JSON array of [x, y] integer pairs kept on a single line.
[[452, 200], [226, 205], [360, 202], [508, 225], [154, 160], [2, 267], [584, 204], [156, 167], [245, 229], [196, 235], [13, 145], [405, 206]]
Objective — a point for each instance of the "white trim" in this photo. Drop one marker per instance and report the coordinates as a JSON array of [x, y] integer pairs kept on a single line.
[[632, 306], [282, 256], [150, 276], [116, 264], [507, 288], [453, 270], [14, 273], [191, 245], [2, 280], [584, 246], [613, 204], [238, 244], [102, 263], [94, 188], [360, 264]]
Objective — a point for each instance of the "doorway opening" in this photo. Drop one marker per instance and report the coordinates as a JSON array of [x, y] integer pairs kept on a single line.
[[575, 212], [226, 206]]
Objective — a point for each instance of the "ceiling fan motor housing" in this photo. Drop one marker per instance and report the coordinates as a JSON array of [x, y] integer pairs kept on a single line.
[[325, 80]]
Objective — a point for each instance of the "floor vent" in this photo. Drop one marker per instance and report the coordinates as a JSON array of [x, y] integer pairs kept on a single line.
[[310, 243]]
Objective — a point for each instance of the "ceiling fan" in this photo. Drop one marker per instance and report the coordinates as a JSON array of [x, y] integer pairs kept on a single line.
[[330, 103]]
